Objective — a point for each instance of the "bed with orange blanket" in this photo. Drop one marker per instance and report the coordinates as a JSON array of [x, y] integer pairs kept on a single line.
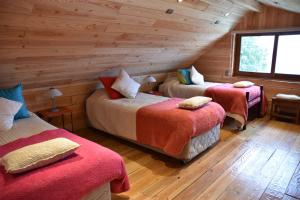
[[157, 123], [235, 101], [91, 173]]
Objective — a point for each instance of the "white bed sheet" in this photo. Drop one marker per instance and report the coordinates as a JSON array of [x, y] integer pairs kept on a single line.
[[117, 116], [173, 88], [25, 128]]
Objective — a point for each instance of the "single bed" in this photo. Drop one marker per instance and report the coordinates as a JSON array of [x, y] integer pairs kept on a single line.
[[253, 98], [33, 126], [122, 118]]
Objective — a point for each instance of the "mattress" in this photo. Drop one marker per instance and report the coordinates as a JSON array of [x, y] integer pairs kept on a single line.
[[173, 88], [196, 145], [118, 117], [25, 128], [34, 125]]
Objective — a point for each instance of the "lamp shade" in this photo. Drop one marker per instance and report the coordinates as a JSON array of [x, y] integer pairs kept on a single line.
[[149, 79], [55, 92]]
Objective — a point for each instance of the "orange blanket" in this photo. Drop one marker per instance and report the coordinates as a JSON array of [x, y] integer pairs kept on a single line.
[[164, 126], [234, 100]]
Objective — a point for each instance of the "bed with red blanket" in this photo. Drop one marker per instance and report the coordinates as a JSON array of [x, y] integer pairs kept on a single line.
[[235, 101], [90, 173], [156, 122]]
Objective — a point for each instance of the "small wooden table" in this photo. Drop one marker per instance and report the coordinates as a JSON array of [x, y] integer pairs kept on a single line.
[[286, 108], [48, 115]]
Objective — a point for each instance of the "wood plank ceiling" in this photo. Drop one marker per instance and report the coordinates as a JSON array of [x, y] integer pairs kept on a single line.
[[46, 43], [289, 5]]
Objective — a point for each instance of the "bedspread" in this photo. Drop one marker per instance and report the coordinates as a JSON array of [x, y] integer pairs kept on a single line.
[[72, 178], [165, 126], [233, 99]]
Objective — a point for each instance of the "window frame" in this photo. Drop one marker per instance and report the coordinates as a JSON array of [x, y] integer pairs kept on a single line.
[[272, 74]]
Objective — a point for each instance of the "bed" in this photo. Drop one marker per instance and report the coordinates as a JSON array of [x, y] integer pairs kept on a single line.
[[124, 118], [31, 127], [236, 101]]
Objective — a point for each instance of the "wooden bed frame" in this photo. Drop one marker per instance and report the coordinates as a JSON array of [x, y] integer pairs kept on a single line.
[[257, 107]]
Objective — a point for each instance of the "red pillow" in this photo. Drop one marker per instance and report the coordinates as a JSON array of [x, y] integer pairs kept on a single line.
[[108, 82]]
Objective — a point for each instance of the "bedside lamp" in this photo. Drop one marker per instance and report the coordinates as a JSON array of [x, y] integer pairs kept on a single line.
[[53, 94], [150, 80]]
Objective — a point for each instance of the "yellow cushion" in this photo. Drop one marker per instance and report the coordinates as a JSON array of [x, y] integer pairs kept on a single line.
[[194, 102], [38, 155], [243, 84]]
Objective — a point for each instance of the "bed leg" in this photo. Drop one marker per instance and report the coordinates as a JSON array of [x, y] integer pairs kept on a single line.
[[244, 127], [184, 162], [259, 109], [247, 96]]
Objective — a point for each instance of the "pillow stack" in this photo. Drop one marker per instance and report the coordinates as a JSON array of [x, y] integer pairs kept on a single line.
[[121, 86], [12, 107], [108, 82], [190, 76], [16, 94]]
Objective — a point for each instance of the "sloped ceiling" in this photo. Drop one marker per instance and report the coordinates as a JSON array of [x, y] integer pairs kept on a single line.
[[46, 43], [290, 5]]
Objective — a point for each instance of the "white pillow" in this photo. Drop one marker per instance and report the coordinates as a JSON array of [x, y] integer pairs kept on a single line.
[[8, 109], [126, 85], [194, 102], [196, 77], [243, 84]]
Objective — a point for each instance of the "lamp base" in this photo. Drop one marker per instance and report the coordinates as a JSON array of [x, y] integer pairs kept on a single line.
[[54, 110]]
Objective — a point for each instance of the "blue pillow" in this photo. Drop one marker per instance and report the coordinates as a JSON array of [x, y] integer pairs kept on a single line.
[[15, 94], [184, 76]]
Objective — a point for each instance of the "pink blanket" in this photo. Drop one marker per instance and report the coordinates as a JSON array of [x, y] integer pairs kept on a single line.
[[72, 178], [169, 128], [234, 100]]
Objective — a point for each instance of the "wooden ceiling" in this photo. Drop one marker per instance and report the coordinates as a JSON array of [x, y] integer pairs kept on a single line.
[[46, 43], [290, 5]]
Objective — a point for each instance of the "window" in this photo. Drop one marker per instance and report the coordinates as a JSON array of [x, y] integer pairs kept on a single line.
[[271, 55]]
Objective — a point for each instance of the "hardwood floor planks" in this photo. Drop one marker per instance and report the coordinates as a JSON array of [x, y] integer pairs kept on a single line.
[[204, 181], [293, 188], [254, 164], [277, 187], [252, 182]]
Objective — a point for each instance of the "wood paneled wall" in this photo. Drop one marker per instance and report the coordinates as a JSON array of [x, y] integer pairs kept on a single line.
[[216, 62], [57, 42], [68, 43]]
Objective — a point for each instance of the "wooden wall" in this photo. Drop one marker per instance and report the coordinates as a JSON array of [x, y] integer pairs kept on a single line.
[[216, 62], [57, 42], [69, 43]]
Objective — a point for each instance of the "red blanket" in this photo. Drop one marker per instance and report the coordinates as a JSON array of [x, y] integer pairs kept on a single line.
[[72, 178], [169, 128], [234, 100]]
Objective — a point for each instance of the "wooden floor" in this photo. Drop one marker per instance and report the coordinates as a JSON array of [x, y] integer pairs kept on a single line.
[[259, 163]]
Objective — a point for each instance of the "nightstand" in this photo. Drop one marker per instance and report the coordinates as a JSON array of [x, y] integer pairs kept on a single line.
[[47, 115]]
